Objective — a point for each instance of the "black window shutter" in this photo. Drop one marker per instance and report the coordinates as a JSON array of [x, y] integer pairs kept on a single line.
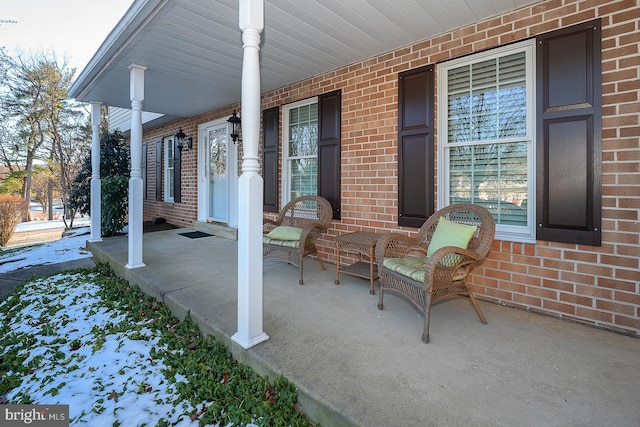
[[159, 170], [144, 171], [177, 174], [569, 132], [329, 128], [270, 123], [415, 146]]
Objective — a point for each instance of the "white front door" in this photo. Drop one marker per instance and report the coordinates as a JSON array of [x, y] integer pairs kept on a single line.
[[218, 174], [218, 182]]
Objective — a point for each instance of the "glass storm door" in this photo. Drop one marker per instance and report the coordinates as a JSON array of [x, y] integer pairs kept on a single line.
[[217, 173]]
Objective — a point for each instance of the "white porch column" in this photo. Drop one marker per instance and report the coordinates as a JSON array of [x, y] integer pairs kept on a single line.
[[96, 195], [250, 188], [136, 95]]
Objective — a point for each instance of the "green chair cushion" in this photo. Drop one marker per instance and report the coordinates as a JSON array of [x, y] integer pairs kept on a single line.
[[411, 266], [449, 233], [414, 267], [286, 243], [285, 232]]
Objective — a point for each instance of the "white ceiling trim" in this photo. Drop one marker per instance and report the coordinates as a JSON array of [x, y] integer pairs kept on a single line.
[[193, 48]]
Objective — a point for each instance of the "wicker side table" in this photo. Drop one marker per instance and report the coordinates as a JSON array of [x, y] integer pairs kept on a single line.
[[364, 244]]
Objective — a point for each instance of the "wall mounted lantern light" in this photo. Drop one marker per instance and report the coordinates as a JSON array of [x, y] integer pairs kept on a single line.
[[182, 142], [235, 127]]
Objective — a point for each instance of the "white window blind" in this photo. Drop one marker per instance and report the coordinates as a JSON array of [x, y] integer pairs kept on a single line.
[[302, 150]]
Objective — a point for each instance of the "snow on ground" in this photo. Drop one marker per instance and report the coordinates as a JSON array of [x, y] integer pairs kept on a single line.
[[80, 375], [71, 247], [46, 225], [106, 379]]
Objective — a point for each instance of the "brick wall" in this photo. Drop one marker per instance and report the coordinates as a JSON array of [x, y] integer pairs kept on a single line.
[[594, 285], [183, 213]]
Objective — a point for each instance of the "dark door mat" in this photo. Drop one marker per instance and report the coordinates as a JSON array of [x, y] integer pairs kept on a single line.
[[150, 226], [195, 234]]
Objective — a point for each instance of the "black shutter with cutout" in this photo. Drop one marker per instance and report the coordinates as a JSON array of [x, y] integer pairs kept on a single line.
[[177, 173], [159, 170], [329, 128], [569, 147], [144, 171], [415, 146], [270, 123]]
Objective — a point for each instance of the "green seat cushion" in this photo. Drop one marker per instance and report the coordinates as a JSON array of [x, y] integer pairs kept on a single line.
[[413, 267], [449, 233], [285, 232], [288, 243]]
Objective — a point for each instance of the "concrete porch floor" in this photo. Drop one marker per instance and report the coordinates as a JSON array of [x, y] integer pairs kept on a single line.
[[356, 365]]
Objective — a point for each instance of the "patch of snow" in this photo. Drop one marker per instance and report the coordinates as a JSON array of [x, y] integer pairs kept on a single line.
[[70, 247], [116, 382], [47, 225]]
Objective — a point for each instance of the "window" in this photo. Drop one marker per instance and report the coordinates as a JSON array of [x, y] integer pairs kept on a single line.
[[169, 170], [311, 151], [300, 149], [487, 149]]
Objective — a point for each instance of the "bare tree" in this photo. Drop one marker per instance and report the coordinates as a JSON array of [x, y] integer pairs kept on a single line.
[[43, 182], [39, 121], [9, 143], [71, 145]]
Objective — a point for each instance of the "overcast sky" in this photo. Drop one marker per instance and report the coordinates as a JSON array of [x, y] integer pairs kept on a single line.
[[75, 28]]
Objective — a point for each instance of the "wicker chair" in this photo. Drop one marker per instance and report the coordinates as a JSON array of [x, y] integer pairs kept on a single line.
[[406, 269], [310, 216]]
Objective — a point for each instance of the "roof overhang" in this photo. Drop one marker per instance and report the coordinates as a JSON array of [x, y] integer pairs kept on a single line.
[[193, 48]]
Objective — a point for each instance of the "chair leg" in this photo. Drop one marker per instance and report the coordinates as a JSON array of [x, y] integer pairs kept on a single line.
[[427, 319], [301, 281], [381, 291], [475, 305], [320, 261]]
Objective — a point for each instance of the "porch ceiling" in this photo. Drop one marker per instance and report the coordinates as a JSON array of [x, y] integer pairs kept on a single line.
[[193, 48]]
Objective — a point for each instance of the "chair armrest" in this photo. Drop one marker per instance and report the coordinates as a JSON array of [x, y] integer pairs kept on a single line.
[[268, 225], [393, 245], [460, 257], [310, 231], [444, 263]]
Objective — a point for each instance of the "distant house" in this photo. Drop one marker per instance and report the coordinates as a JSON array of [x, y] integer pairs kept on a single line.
[[391, 110]]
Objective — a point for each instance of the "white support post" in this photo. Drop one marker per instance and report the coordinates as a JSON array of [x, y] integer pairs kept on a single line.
[[250, 188], [96, 195], [135, 181]]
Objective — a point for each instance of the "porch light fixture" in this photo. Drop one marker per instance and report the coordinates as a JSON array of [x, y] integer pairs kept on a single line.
[[181, 139], [235, 127]]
